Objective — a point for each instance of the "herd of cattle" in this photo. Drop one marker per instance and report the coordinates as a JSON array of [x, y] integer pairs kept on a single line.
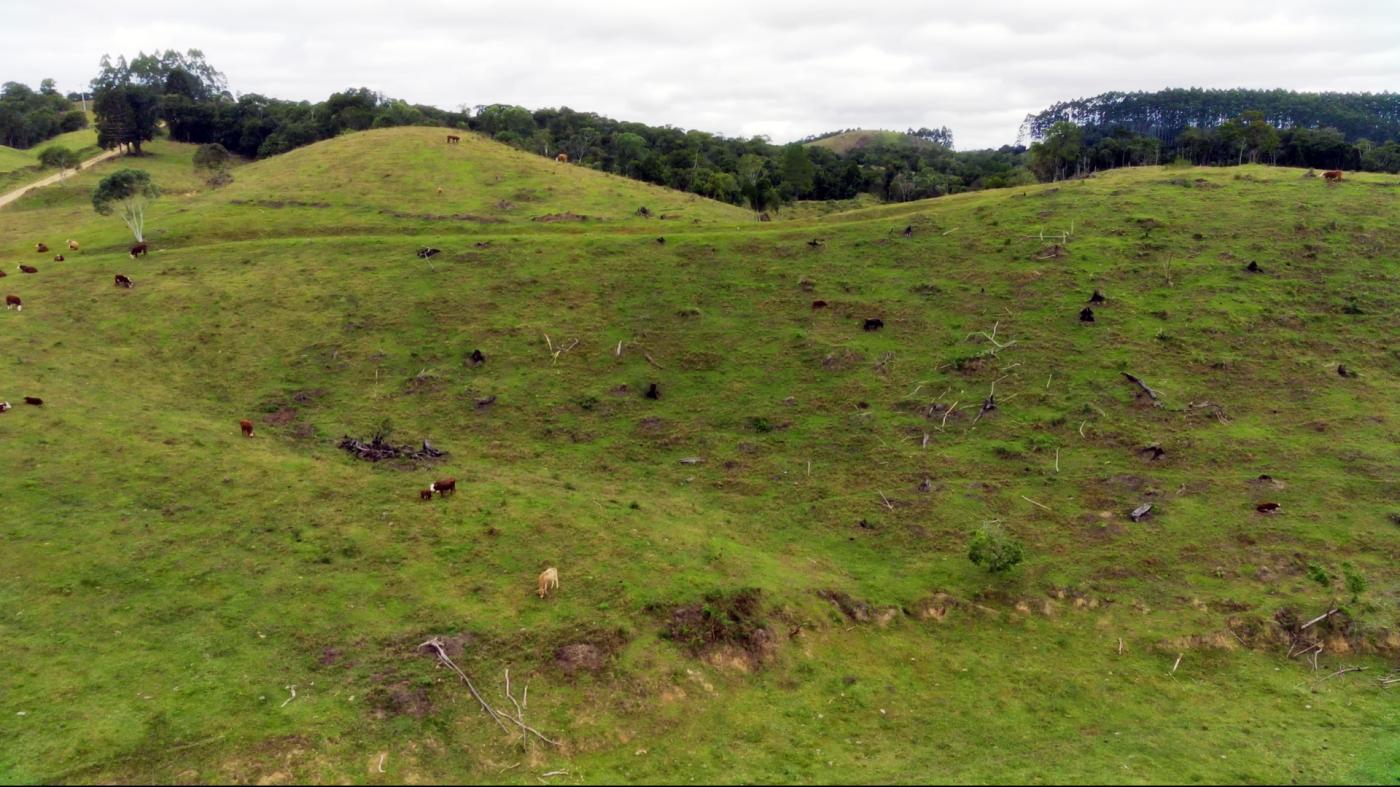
[[15, 302]]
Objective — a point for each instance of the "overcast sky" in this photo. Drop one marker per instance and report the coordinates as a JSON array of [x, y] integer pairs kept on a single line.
[[785, 69]]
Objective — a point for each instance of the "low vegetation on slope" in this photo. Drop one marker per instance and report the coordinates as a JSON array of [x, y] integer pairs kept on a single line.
[[764, 571]]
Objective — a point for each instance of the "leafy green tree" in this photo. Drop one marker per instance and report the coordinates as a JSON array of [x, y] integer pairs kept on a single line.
[[126, 115], [1060, 153], [213, 159], [994, 549], [631, 149], [126, 192], [60, 158], [798, 173]]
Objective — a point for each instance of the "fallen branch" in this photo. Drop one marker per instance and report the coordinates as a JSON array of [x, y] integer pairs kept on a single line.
[[618, 352], [1329, 613], [495, 715], [1032, 502], [652, 361], [293, 690], [947, 413], [1178, 663], [888, 504], [1156, 402], [1342, 671]]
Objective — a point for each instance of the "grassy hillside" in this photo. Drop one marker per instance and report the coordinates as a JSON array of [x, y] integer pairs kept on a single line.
[[20, 166], [763, 572], [847, 141]]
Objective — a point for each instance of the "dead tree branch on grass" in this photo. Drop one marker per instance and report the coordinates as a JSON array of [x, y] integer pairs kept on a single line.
[[436, 645], [1151, 394]]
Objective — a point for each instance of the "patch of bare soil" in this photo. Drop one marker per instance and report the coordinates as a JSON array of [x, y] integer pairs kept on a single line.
[[723, 628], [565, 216]]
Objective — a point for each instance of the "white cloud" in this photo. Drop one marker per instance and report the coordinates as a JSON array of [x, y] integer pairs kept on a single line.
[[785, 69]]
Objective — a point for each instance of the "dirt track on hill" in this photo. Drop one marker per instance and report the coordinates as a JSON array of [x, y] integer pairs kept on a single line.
[[11, 196]]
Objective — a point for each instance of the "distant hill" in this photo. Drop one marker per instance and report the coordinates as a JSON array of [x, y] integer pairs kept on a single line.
[[846, 141]]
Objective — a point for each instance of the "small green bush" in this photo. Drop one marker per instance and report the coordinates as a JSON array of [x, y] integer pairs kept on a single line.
[[994, 549]]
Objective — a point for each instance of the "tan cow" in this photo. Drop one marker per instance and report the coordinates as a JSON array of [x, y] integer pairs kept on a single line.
[[549, 580]]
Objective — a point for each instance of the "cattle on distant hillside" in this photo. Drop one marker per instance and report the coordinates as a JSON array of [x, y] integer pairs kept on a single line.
[[247, 427], [13, 302], [139, 250]]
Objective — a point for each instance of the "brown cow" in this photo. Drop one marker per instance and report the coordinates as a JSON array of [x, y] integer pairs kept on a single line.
[[247, 427], [28, 268], [40, 248], [58, 258], [13, 302], [425, 494], [139, 249], [124, 281], [818, 304], [562, 158], [453, 139], [443, 485], [34, 400], [1332, 176]]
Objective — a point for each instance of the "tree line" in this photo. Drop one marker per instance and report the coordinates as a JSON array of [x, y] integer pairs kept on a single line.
[[28, 116], [1356, 131]]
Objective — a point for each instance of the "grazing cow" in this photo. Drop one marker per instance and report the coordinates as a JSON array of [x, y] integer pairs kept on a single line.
[[439, 191], [428, 253], [34, 400], [874, 324], [247, 427], [13, 302], [124, 281], [661, 240], [443, 485], [1097, 297], [764, 216], [40, 248], [58, 258], [453, 139], [3, 274], [653, 392], [1253, 267], [816, 243], [1268, 508], [562, 158], [425, 494], [72, 245], [1332, 176], [1086, 315], [818, 304], [28, 268], [5, 406], [139, 250], [549, 580], [478, 358], [909, 231]]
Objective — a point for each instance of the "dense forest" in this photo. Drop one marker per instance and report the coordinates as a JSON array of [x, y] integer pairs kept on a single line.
[[1216, 127], [28, 116], [1070, 139]]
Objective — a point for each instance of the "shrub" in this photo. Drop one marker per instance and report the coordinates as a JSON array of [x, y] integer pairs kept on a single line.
[[1355, 582], [994, 549]]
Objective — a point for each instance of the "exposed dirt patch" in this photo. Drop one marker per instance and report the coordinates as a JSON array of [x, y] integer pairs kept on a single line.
[[443, 217], [279, 203], [724, 626], [400, 699], [282, 417], [841, 360], [565, 216]]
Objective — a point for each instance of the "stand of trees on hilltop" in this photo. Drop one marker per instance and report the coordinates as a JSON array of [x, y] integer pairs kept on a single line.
[[1358, 131], [28, 117]]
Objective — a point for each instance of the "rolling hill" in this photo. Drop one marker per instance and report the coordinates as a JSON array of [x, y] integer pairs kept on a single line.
[[845, 142], [764, 571]]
